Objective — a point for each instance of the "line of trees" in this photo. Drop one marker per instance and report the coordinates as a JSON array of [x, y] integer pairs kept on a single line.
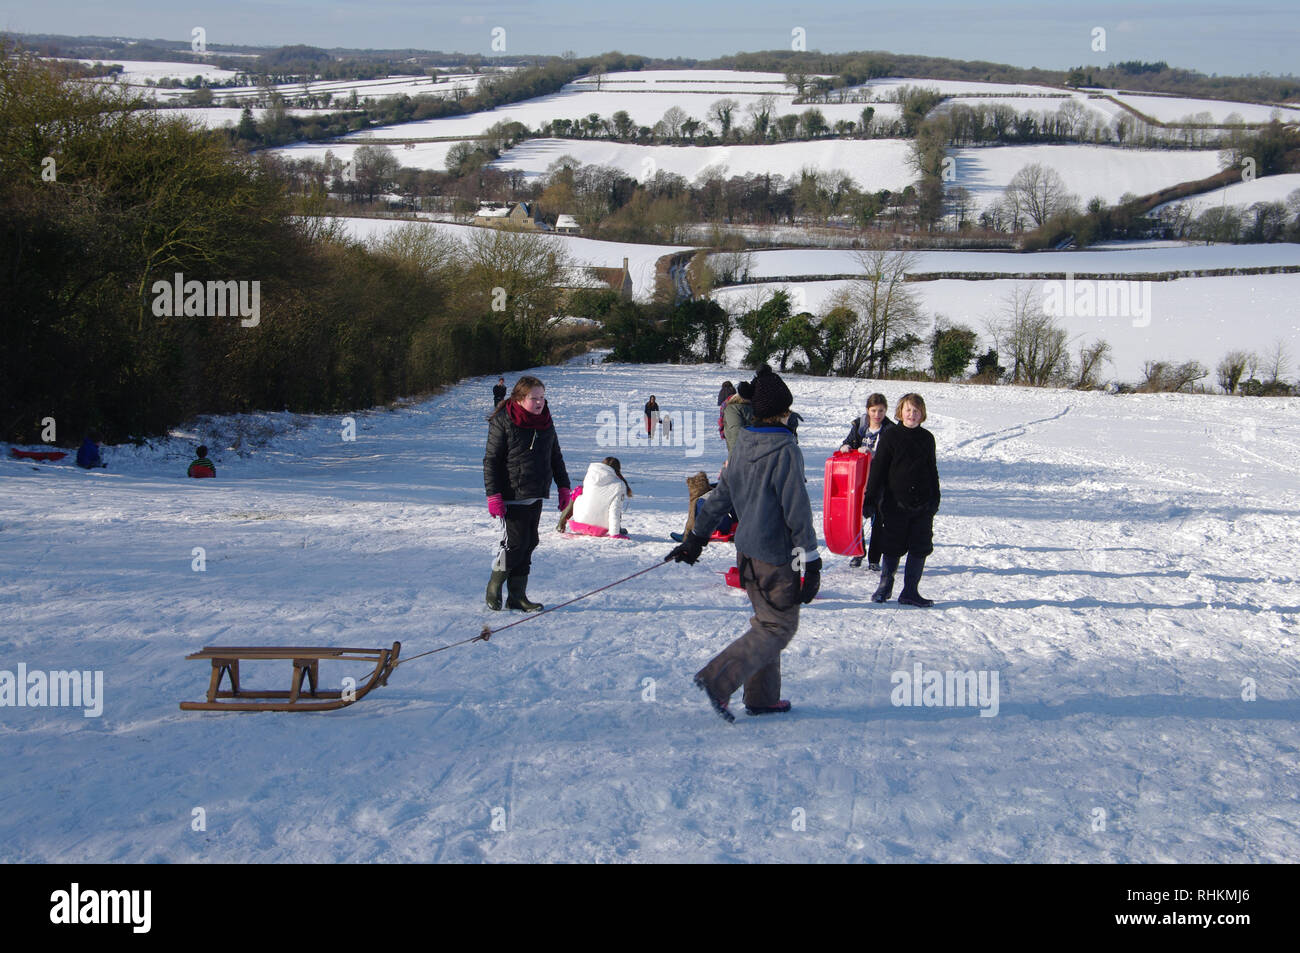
[[103, 198]]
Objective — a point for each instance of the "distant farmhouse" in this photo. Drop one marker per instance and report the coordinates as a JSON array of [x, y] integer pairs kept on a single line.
[[567, 225], [514, 215], [593, 278], [616, 279]]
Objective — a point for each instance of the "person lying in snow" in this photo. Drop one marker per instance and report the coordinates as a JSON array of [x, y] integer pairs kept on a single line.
[[596, 507]]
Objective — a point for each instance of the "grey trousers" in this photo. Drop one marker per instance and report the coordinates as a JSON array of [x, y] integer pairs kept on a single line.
[[754, 659]]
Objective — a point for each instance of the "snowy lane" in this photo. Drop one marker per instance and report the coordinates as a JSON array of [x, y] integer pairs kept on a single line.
[[1122, 564]]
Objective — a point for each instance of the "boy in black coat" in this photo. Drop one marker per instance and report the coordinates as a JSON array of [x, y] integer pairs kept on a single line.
[[903, 489]]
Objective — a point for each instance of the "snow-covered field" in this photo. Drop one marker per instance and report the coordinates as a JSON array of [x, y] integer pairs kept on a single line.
[[1125, 566], [1185, 319], [1270, 188], [1177, 109], [1087, 171], [1146, 257], [873, 163]]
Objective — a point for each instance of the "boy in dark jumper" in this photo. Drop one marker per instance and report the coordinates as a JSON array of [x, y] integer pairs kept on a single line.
[[202, 467]]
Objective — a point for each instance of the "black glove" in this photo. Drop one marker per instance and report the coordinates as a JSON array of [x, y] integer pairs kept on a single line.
[[688, 551], [812, 580]]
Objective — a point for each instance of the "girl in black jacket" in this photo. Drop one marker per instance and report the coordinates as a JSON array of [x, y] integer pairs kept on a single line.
[[903, 489], [523, 457]]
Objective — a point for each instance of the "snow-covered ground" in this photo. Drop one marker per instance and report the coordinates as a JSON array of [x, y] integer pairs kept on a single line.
[[1270, 188], [1185, 319], [873, 164], [1177, 109], [1088, 171], [1125, 566], [1135, 258]]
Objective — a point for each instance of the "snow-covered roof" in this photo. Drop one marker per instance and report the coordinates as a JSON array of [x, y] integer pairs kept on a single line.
[[566, 221]]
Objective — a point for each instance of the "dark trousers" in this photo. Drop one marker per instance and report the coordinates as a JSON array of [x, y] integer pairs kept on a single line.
[[518, 538], [874, 541], [754, 659]]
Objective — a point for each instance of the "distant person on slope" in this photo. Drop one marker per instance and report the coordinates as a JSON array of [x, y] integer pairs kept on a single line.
[[863, 434], [764, 480], [522, 458], [499, 391], [88, 457], [651, 415], [903, 489], [596, 508], [724, 394]]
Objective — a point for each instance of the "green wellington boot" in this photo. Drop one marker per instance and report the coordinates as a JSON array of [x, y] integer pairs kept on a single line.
[[518, 597], [494, 589]]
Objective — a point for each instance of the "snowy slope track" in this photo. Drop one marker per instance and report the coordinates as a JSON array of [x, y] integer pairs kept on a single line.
[[1124, 566]]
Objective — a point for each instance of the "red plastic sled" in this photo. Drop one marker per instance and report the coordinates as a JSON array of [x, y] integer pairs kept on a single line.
[[199, 473], [37, 454], [846, 481]]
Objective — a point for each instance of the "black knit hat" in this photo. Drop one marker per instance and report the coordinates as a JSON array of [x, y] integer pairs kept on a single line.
[[746, 390], [771, 397]]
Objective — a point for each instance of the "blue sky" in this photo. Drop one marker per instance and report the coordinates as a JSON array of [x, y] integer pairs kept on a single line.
[[1210, 37]]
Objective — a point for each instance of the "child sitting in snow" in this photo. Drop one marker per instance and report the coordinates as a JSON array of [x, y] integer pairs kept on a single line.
[[88, 457], [202, 467], [597, 508]]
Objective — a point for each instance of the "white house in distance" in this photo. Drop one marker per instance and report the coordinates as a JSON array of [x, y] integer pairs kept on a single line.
[[567, 225]]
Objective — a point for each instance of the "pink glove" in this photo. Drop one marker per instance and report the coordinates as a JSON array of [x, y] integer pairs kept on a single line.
[[496, 505], [565, 496]]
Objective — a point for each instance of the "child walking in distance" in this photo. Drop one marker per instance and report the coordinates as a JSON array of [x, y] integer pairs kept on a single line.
[[903, 488], [651, 415], [523, 457], [863, 435], [764, 483]]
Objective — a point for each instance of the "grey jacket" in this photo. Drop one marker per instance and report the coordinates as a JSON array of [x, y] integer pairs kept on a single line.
[[763, 484], [737, 414]]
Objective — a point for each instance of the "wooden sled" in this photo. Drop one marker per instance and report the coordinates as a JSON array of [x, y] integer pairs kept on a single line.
[[306, 662]]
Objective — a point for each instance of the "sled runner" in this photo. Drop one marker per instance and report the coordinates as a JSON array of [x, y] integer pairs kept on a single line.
[[306, 662], [846, 481], [37, 454]]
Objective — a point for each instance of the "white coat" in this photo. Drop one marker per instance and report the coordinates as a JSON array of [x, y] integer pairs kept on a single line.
[[601, 504]]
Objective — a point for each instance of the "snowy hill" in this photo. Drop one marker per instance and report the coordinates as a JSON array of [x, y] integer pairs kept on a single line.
[[1122, 564]]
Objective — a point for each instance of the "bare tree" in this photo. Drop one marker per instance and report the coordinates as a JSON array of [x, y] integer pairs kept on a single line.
[[1037, 347], [890, 310], [672, 121], [1231, 369], [1038, 193], [1091, 358], [1164, 376], [1276, 361], [761, 111], [722, 111]]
